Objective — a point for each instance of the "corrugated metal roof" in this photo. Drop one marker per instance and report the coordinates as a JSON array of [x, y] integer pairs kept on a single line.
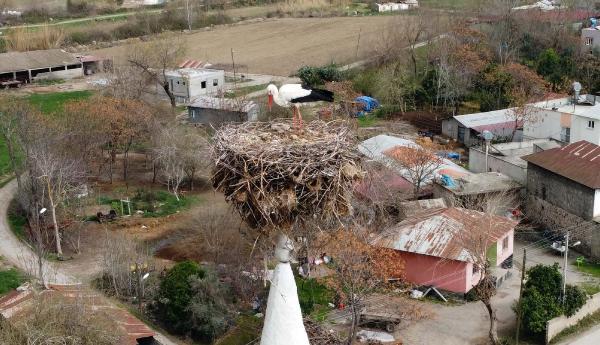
[[194, 64], [221, 103], [578, 161], [444, 232], [383, 185], [490, 120], [21, 61], [379, 147]]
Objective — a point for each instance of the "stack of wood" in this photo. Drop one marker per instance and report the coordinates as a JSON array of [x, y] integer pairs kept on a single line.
[[320, 336], [274, 175]]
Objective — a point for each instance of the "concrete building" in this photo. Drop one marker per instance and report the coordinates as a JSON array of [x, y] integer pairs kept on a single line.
[[26, 67], [435, 253], [467, 129], [590, 39], [565, 120], [505, 158], [395, 6], [189, 83], [473, 190], [563, 187], [214, 111]]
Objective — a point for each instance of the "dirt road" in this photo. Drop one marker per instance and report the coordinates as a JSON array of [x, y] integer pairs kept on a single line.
[[17, 252], [21, 255], [281, 46]]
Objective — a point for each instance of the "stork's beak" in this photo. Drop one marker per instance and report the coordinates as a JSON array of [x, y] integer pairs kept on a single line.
[[270, 102]]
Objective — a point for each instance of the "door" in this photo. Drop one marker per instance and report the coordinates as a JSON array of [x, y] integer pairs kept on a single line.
[[461, 134]]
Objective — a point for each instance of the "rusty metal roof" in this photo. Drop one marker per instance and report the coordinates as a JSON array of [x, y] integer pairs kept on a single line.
[[578, 161], [444, 232]]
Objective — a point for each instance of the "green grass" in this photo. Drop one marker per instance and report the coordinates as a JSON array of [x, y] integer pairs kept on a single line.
[[449, 4], [9, 280], [153, 203], [242, 91], [51, 103], [314, 297], [583, 325], [4, 158], [591, 288], [247, 329], [590, 268], [367, 120]]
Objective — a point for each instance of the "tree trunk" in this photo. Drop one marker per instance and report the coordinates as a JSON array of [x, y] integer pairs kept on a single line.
[[354, 324], [154, 171], [56, 229], [170, 94], [493, 323]]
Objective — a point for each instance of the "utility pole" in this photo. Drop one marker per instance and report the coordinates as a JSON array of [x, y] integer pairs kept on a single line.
[[138, 272], [233, 65], [519, 311], [564, 296]]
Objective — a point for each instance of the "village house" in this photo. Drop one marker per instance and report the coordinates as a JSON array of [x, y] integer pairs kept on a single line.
[[590, 38], [189, 83], [566, 120], [17, 68], [467, 129], [216, 110], [434, 245], [563, 186], [395, 6], [506, 158]]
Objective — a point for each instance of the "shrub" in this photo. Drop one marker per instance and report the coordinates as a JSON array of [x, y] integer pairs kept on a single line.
[[210, 317], [175, 296], [89, 36], [315, 76], [575, 298]]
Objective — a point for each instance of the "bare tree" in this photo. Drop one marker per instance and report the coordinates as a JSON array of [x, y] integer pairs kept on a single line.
[[155, 59], [12, 112], [417, 163]]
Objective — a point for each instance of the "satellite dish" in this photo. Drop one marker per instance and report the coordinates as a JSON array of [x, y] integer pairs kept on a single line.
[[43, 210], [577, 86], [487, 135]]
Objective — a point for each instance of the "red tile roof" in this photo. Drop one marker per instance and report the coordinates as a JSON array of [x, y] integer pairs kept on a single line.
[[578, 161]]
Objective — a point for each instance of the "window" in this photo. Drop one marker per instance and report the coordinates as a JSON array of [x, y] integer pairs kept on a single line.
[[203, 85], [589, 41], [178, 82], [183, 82], [505, 243], [591, 124], [215, 82]]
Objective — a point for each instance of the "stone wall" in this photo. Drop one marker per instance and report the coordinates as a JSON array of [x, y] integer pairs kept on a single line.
[[558, 219], [558, 324], [560, 191]]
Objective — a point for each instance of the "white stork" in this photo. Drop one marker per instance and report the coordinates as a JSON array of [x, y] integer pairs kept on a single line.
[[294, 95]]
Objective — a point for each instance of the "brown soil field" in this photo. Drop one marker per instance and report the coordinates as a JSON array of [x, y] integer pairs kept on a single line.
[[281, 46]]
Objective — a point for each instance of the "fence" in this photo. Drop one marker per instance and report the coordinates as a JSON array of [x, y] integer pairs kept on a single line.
[[558, 324]]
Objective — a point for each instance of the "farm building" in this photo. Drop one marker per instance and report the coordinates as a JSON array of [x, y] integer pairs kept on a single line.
[[95, 64], [25, 67], [213, 110], [395, 6], [467, 129], [563, 187], [188, 83], [433, 245]]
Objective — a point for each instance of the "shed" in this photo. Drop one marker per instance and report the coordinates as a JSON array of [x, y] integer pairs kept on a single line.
[[216, 110], [188, 83], [39, 64], [466, 129]]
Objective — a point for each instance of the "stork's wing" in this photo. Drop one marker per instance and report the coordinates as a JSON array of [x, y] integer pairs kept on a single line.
[[289, 92]]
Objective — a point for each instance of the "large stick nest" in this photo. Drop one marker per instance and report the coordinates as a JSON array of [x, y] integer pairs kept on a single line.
[[274, 175]]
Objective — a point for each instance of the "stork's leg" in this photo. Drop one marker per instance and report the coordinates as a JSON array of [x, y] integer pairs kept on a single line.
[[300, 122], [294, 122]]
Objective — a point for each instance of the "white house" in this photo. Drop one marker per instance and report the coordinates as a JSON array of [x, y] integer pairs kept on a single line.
[[188, 83], [395, 6], [566, 120]]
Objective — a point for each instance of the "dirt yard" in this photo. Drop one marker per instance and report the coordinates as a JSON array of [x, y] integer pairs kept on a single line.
[[281, 46]]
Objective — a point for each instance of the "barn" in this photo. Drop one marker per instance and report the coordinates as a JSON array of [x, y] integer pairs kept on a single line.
[[25, 67]]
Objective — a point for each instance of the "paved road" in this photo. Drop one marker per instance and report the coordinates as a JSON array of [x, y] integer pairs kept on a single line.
[[591, 337], [20, 254]]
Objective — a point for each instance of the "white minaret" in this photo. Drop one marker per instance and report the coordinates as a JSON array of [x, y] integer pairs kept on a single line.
[[283, 322]]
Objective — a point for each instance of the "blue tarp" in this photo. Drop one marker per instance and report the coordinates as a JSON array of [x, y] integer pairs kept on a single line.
[[369, 103], [448, 181]]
